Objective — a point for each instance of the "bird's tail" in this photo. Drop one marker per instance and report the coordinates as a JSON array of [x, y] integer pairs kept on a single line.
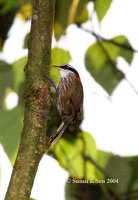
[[59, 131]]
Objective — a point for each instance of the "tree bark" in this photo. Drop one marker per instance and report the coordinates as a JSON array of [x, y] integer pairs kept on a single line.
[[34, 141]]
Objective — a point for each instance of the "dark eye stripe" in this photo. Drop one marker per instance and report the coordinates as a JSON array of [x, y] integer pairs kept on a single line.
[[73, 70], [69, 68]]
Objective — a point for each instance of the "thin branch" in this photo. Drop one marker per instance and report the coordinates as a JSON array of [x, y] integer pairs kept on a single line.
[[99, 39], [129, 48], [115, 67], [88, 158]]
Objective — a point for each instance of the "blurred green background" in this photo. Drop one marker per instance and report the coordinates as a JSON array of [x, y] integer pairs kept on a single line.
[[112, 176]]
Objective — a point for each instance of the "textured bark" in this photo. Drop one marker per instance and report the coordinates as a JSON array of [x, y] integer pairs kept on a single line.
[[34, 141]]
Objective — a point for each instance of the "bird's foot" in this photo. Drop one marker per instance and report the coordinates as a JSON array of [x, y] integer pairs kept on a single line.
[[46, 117], [51, 81]]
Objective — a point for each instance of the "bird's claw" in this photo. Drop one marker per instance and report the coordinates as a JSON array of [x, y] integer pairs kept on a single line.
[[51, 81]]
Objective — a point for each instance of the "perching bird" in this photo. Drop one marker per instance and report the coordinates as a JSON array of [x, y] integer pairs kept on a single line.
[[69, 98]]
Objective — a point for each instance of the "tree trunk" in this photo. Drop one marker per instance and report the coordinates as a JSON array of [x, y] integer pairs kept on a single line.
[[34, 141]]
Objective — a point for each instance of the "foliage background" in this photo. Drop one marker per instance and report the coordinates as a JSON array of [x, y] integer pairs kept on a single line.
[[78, 150]]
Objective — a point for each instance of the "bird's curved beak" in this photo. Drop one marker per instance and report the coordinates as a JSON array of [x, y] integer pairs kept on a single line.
[[56, 67]]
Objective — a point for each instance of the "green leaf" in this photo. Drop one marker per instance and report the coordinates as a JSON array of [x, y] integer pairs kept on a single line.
[[119, 168], [83, 17], [117, 50], [82, 12], [58, 57], [69, 153], [134, 186], [102, 159], [25, 11], [19, 86], [101, 67], [8, 5], [10, 131], [101, 7], [6, 80], [18, 68], [133, 161], [26, 41], [67, 12], [61, 17]]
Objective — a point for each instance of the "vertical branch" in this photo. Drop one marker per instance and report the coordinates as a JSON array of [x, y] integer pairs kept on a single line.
[[34, 142]]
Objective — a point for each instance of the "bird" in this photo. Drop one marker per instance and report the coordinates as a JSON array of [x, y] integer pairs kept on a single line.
[[69, 98]]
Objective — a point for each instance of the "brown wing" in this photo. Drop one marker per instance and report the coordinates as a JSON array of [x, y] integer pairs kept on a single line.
[[76, 99], [70, 98]]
